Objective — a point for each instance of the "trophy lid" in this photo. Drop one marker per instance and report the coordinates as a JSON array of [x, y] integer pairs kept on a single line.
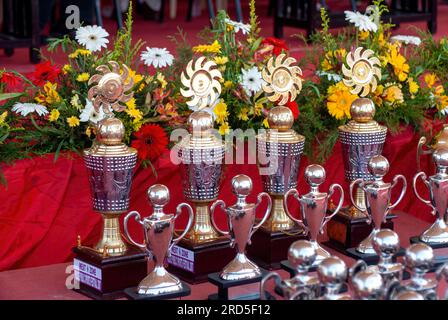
[[158, 195], [386, 242], [302, 254], [362, 112], [419, 256], [241, 185], [315, 175], [332, 270], [378, 166], [367, 283], [200, 126]]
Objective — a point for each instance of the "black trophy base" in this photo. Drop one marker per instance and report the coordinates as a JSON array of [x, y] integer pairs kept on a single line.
[[440, 252], [286, 265], [132, 294], [105, 278], [369, 258], [193, 263], [269, 248], [433, 245], [345, 231], [224, 285]]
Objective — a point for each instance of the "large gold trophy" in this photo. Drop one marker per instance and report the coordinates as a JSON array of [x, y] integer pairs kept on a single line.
[[279, 152], [361, 139], [104, 270], [201, 157]]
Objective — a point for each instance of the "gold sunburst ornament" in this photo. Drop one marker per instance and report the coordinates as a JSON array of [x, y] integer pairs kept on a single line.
[[363, 71], [111, 87], [201, 80], [282, 79]]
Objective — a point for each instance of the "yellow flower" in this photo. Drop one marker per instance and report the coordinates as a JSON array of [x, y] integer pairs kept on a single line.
[[363, 35], [377, 95], [78, 52], [224, 129], [221, 113], [441, 102], [258, 109], [381, 40], [228, 84], [393, 95], [66, 68], [266, 123], [73, 121], [50, 95], [413, 86], [339, 100], [243, 114], [54, 115], [3, 117], [132, 110], [340, 54], [326, 65], [215, 47], [136, 125], [229, 27], [83, 77], [439, 90], [430, 79], [329, 59], [161, 79], [74, 101], [221, 60], [88, 131], [398, 61]]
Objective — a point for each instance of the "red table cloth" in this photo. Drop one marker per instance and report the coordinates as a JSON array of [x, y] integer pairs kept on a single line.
[[47, 203]]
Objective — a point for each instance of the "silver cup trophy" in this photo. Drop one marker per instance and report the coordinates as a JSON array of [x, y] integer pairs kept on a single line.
[[158, 231], [314, 207], [377, 198], [438, 193], [241, 220]]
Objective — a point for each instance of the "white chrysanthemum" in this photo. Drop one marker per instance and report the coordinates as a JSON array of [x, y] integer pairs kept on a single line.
[[26, 108], [245, 28], [89, 113], [330, 76], [157, 57], [362, 22], [252, 80], [93, 38], [406, 39]]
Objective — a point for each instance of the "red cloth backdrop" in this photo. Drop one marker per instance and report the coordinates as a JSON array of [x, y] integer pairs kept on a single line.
[[47, 203]]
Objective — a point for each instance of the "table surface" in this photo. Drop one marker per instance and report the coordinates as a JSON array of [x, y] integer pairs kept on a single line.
[[49, 282]]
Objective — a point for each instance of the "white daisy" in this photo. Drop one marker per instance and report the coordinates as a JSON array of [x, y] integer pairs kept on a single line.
[[406, 39], [26, 108], [89, 113], [361, 21], [245, 28], [93, 38], [330, 76], [157, 57], [444, 111], [252, 80]]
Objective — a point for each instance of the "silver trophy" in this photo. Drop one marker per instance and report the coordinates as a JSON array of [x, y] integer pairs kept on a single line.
[[396, 291], [302, 286], [442, 272], [438, 191], [241, 220], [367, 283], [377, 195], [332, 273], [158, 231], [419, 258], [386, 244], [314, 207]]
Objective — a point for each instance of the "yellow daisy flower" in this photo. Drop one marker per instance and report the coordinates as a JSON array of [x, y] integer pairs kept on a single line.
[[393, 95], [79, 52], [221, 113], [73, 121], [413, 86], [228, 84], [224, 129], [398, 62], [83, 77], [54, 115], [215, 47], [339, 100]]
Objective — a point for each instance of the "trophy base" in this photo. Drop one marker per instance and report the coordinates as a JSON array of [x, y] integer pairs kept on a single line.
[[287, 266], [345, 231], [269, 248], [105, 278], [369, 258], [193, 262], [224, 285], [434, 245], [132, 293]]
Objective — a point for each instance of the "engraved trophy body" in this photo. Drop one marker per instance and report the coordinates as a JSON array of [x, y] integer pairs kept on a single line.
[[241, 222], [314, 207], [377, 197], [437, 184], [158, 231]]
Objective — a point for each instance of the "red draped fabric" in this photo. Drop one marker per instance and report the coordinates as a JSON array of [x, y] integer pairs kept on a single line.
[[47, 203]]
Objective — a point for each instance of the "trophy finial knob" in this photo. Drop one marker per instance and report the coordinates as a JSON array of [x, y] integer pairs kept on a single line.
[[440, 157], [302, 253], [378, 166], [332, 270], [241, 185], [280, 118], [419, 256], [110, 131], [386, 241], [362, 110], [367, 283], [315, 174], [158, 195], [200, 121]]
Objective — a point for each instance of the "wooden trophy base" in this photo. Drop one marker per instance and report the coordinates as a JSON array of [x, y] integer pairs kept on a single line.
[[132, 294], [269, 248], [105, 278], [193, 263], [345, 231], [224, 285]]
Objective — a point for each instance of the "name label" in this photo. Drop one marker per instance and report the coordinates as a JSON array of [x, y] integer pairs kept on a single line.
[[87, 274], [182, 258]]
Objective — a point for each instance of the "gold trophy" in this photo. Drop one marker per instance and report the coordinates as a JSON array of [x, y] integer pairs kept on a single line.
[[201, 157], [110, 164], [279, 152]]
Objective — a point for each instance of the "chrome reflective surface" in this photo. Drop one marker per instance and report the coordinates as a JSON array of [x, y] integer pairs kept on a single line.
[[367, 285], [332, 273], [442, 274], [386, 244]]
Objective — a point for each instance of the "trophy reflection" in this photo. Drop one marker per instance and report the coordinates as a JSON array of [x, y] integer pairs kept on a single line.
[[314, 207], [158, 231]]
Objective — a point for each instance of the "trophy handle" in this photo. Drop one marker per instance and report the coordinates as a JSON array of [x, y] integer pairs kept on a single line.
[[352, 186], [190, 221], [392, 289], [126, 231], [270, 275], [339, 206], [403, 189], [423, 176], [266, 214], [303, 293], [285, 205], [358, 266], [420, 151], [215, 204]]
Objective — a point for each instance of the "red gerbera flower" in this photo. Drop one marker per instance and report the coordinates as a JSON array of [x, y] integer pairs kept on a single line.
[[277, 45], [151, 141], [11, 80], [292, 105], [44, 72]]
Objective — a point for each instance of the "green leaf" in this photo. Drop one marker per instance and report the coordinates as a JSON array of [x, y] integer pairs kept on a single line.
[[7, 96]]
